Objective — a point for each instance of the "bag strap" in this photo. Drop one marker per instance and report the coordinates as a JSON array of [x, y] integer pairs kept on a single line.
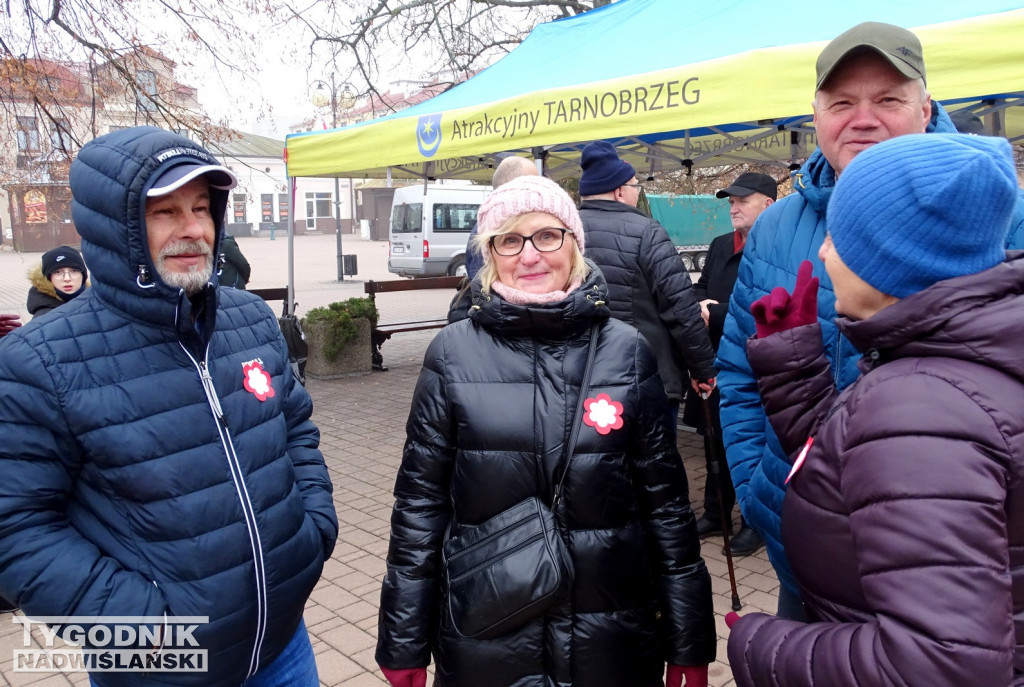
[[578, 420]]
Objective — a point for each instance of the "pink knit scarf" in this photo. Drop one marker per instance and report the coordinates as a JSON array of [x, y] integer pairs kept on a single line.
[[518, 297]]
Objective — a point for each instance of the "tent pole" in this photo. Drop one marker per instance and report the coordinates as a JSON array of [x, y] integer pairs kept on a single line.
[[290, 305]]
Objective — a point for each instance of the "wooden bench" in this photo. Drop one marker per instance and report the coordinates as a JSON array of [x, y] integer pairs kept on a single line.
[[278, 294], [382, 332]]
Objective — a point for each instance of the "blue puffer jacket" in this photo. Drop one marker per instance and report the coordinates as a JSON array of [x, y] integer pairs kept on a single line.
[[786, 234], [143, 474]]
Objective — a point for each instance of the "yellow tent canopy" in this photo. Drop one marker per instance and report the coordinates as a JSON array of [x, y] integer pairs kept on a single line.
[[673, 84]]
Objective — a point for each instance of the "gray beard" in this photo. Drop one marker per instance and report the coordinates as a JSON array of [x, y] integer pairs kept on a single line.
[[193, 281]]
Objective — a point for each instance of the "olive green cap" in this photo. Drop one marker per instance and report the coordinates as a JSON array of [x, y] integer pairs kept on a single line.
[[898, 46]]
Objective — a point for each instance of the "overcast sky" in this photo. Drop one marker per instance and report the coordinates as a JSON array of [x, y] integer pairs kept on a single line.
[[281, 80]]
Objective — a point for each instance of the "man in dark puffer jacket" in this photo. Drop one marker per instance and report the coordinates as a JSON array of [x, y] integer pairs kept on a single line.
[[158, 455], [647, 285]]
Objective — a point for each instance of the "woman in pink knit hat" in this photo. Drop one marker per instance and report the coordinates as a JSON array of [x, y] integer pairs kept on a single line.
[[503, 416]]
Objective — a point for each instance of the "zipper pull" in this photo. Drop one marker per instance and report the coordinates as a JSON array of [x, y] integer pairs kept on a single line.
[[207, 380]]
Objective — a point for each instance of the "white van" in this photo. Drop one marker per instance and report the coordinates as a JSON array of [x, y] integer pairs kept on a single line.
[[429, 229]]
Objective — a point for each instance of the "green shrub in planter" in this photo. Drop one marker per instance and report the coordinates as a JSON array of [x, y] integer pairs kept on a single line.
[[339, 317]]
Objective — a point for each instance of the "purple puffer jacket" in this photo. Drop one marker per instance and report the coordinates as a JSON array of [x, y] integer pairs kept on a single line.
[[905, 525]]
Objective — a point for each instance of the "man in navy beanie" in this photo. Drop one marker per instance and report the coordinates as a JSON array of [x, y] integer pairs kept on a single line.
[[647, 284]]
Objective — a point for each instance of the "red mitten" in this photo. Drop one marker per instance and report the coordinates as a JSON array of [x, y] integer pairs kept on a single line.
[[695, 676], [730, 619], [778, 311], [409, 677], [8, 323]]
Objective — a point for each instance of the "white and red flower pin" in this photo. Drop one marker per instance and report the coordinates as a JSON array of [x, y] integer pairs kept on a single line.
[[602, 413], [256, 380]]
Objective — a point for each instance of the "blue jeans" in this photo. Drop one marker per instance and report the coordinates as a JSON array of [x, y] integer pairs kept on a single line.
[[295, 667]]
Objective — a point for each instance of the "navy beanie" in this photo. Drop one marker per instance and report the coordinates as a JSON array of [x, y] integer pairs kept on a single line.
[[64, 256], [603, 171], [918, 209]]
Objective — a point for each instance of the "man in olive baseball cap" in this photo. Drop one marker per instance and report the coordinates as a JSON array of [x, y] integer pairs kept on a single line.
[[894, 44], [869, 88]]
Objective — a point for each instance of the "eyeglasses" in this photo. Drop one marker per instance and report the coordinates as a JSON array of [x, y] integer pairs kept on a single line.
[[544, 240], [637, 185], [65, 272]]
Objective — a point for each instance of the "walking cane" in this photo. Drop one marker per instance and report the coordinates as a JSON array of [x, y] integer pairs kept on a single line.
[[715, 468]]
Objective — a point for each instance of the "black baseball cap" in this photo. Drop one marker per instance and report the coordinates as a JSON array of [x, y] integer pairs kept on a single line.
[[751, 182], [898, 46], [966, 122]]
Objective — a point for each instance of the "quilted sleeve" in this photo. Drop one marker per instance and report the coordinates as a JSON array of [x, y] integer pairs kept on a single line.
[[687, 617], [311, 474], [409, 599], [743, 418], [795, 382], [677, 302], [910, 464], [45, 564]]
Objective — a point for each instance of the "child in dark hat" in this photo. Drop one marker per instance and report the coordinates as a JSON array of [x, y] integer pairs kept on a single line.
[[61, 277]]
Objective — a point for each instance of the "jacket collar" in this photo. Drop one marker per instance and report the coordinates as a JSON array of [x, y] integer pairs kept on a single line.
[[609, 206], [559, 320], [977, 317]]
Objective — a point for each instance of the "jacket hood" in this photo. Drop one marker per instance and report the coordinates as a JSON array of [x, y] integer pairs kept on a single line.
[[978, 317], [816, 178], [45, 286], [558, 320], [109, 180]]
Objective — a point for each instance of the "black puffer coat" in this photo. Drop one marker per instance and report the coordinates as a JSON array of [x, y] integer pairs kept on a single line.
[[905, 524], [649, 289], [489, 420]]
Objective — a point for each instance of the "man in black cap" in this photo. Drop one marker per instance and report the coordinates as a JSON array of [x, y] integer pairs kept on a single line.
[[647, 284], [159, 460], [750, 195]]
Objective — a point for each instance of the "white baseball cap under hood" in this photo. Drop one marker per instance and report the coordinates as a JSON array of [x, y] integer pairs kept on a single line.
[[177, 176]]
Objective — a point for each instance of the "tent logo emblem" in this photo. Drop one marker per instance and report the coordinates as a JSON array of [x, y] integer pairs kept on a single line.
[[428, 134]]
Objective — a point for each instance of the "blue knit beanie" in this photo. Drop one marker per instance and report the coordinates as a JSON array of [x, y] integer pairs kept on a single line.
[[603, 171], [918, 209]]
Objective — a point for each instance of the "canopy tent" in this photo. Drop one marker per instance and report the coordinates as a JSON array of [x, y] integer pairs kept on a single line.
[[673, 84]]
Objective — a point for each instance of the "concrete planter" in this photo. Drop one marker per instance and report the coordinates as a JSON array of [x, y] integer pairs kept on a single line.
[[353, 361]]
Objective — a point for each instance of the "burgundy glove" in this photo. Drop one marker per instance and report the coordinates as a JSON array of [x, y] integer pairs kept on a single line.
[[696, 676], [409, 677], [8, 323], [730, 618], [778, 311]]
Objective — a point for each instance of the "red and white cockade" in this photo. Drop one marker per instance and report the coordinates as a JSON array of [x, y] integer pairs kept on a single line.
[[602, 413]]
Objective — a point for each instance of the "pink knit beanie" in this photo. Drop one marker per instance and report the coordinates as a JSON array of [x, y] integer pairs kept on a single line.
[[523, 195]]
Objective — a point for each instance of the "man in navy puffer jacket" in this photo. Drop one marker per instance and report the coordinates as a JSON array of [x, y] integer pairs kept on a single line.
[[158, 455], [870, 88]]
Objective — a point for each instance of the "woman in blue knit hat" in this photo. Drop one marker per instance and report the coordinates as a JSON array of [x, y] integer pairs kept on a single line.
[[904, 515]]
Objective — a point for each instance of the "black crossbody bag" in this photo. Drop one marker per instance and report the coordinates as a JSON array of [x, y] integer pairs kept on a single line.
[[514, 566]]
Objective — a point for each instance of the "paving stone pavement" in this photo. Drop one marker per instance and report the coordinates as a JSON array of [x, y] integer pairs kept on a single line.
[[362, 425]]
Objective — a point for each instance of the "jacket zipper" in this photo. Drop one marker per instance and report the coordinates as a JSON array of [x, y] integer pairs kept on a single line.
[[243, 498]]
